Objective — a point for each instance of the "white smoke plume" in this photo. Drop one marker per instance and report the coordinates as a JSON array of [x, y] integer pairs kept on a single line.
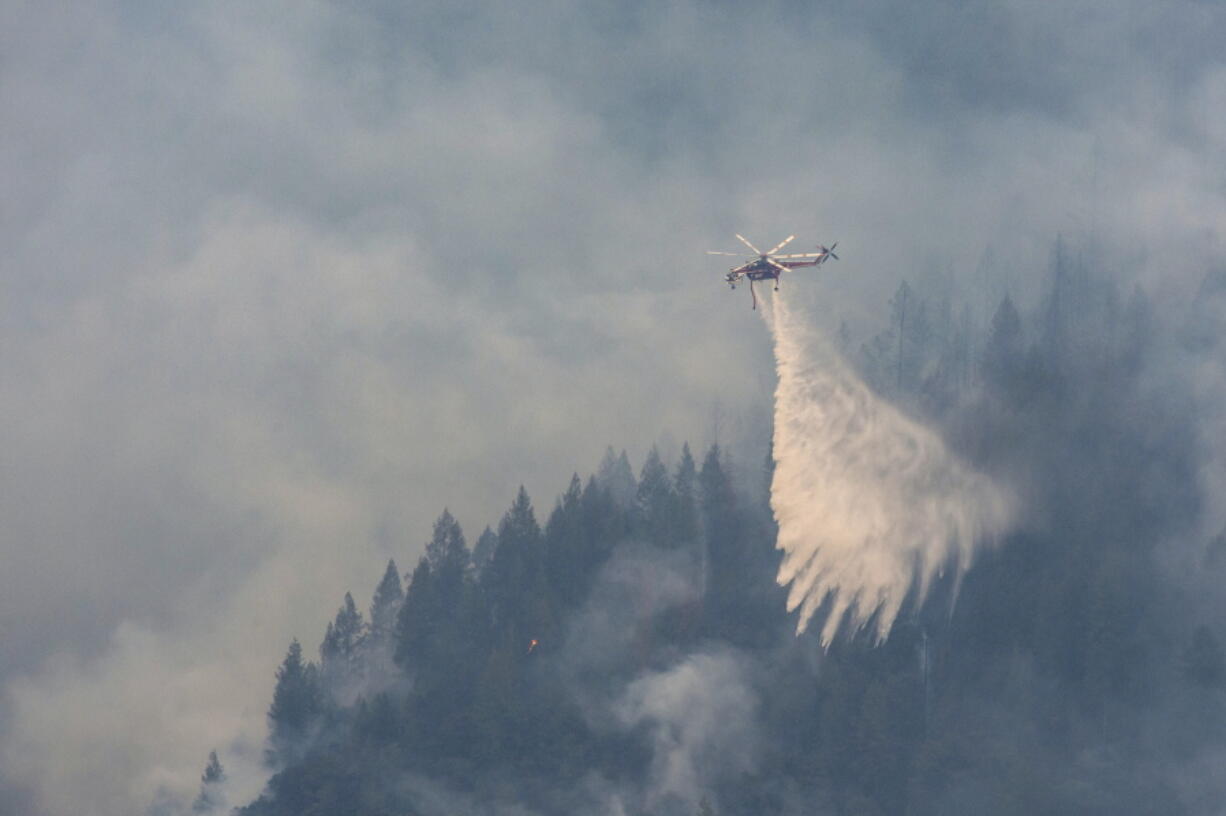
[[701, 717], [869, 502]]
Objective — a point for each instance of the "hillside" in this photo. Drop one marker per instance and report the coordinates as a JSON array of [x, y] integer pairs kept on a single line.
[[633, 654]]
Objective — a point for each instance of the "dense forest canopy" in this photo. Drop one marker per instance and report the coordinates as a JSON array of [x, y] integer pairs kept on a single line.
[[628, 651]]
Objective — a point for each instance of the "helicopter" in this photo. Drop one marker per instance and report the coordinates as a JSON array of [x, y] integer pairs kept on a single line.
[[768, 265]]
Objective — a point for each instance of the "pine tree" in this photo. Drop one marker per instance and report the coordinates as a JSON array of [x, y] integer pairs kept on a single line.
[[213, 772], [447, 543], [604, 525], [483, 550], [654, 507], [339, 659], [429, 623], [617, 477], [565, 544], [344, 634], [417, 619], [449, 560], [686, 516], [1002, 354], [718, 500], [210, 799], [385, 606], [296, 706], [515, 579], [902, 306], [441, 632], [721, 525], [1058, 303], [876, 361]]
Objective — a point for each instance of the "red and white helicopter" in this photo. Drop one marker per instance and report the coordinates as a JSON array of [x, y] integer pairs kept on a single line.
[[768, 265]]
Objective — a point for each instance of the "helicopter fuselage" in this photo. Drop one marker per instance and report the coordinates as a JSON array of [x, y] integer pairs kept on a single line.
[[762, 269]]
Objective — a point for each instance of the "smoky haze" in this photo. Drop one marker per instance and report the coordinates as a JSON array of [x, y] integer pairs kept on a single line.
[[278, 283]]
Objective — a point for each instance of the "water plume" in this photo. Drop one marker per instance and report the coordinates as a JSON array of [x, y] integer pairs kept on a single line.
[[870, 503]]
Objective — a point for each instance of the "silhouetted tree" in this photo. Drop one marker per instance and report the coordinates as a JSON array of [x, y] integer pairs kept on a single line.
[[483, 550], [515, 581], [418, 618], [449, 560], [296, 706], [1059, 302], [654, 506], [566, 545], [685, 521], [338, 654], [1002, 354], [902, 309], [210, 799], [617, 477], [721, 527], [385, 606], [344, 634]]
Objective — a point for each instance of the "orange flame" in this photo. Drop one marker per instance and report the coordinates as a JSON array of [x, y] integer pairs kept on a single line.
[[532, 645]]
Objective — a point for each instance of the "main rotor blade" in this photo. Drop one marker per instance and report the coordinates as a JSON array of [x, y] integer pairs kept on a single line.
[[778, 266], [734, 254], [781, 244], [745, 241]]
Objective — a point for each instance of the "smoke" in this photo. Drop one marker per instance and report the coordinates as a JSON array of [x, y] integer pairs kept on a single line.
[[171, 705], [701, 714], [699, 711], [870, 504]]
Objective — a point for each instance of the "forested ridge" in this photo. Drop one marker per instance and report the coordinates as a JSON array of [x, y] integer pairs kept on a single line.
[[629, 651]]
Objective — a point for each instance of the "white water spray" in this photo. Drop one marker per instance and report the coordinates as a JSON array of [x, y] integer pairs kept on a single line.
[[869, 502]]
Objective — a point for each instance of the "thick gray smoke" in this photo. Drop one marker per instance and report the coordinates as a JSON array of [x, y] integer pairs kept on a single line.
[[869, 502]]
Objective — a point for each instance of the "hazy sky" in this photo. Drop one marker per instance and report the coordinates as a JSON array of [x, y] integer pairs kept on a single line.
[[280, 280]]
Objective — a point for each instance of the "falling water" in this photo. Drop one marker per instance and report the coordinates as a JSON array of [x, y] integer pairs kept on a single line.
[[869, 502]]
